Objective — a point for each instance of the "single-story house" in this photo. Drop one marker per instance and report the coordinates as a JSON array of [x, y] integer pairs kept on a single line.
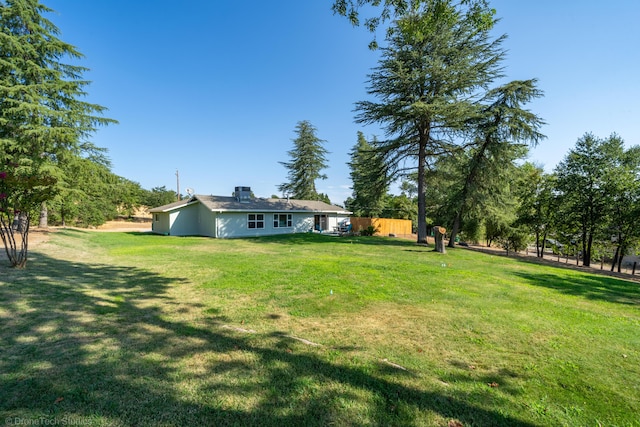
[[242, 215]]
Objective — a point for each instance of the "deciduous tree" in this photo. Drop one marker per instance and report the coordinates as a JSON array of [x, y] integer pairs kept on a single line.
[[538, 204], [624, 188], [584, 183], [157, 196]]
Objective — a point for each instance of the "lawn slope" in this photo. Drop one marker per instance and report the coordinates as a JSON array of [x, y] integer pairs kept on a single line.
[[136, 329]]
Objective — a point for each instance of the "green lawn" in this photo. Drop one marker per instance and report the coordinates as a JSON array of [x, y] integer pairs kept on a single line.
[[133, 329]]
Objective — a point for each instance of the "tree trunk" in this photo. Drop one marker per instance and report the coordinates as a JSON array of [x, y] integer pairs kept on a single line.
[[43, 222], [586, 261], [544, 243], [614, 262], [15, 236], [422, 203], [454, 229], [623, 249], [584, 244]]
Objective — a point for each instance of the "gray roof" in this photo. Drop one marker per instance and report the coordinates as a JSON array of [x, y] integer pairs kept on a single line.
[[231, 204]]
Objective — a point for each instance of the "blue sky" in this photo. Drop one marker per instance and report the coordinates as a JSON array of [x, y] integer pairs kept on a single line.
[[215, 89]]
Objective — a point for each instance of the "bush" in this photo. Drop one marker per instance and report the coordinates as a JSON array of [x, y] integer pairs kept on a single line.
[[515, 240], [369, 231]]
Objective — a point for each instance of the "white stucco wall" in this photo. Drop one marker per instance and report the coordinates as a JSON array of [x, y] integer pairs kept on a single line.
[[184, 221], [197, 220], [206, 221], [160, 223], [235, 224]]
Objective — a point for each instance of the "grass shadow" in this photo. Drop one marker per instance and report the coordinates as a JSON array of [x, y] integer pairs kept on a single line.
[[110, 345], [589, 286], [316, 238]]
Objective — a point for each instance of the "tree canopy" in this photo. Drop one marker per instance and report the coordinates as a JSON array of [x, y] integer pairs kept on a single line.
[[369, 178], [43, 117], [585, 184], [383, 11], [308, 159], [429, 83]]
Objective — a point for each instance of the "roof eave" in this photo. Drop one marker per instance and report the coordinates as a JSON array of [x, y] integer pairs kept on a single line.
[[173, 208], [279, 210]]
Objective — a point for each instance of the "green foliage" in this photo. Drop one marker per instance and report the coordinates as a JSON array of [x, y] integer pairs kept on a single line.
[[42, 116], [369, 178], [496, 228], [502, 130], [308, 158], [90, 194], [157, 196], [514, 239], [475, 10], [624, 187], [400, 207], [584, 182], [369, 231], [538, 204], [429, 84]]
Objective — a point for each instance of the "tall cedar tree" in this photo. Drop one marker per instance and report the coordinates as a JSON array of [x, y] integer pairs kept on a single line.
[[368, 175], [42, 117], [584, 183], [429, 82], [501, 128], [308, 158], [478, 11]]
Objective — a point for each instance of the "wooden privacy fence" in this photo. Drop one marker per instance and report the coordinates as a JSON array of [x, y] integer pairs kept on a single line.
[[383, 226]]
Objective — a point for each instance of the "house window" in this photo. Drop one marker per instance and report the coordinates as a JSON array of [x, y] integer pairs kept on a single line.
[[157, 217], [255, 221], [281, 220]]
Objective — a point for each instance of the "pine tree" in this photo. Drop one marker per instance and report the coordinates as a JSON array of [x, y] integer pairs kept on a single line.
[[42, 117], [369, 178], [308, 158]]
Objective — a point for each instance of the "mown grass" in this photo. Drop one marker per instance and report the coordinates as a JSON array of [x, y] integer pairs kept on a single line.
[[133, 329]]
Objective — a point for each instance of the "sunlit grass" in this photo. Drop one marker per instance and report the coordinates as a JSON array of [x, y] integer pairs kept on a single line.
[[133, 329]]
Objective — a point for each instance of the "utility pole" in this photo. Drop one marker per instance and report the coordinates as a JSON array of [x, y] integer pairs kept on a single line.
[[177, 185]]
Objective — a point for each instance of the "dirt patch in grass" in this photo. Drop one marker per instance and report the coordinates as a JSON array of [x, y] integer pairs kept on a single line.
[[140, 226], [37, 237], [40, 236]]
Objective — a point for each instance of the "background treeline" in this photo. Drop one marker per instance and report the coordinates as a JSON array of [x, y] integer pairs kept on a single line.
[[587, 207], [89, 194]]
